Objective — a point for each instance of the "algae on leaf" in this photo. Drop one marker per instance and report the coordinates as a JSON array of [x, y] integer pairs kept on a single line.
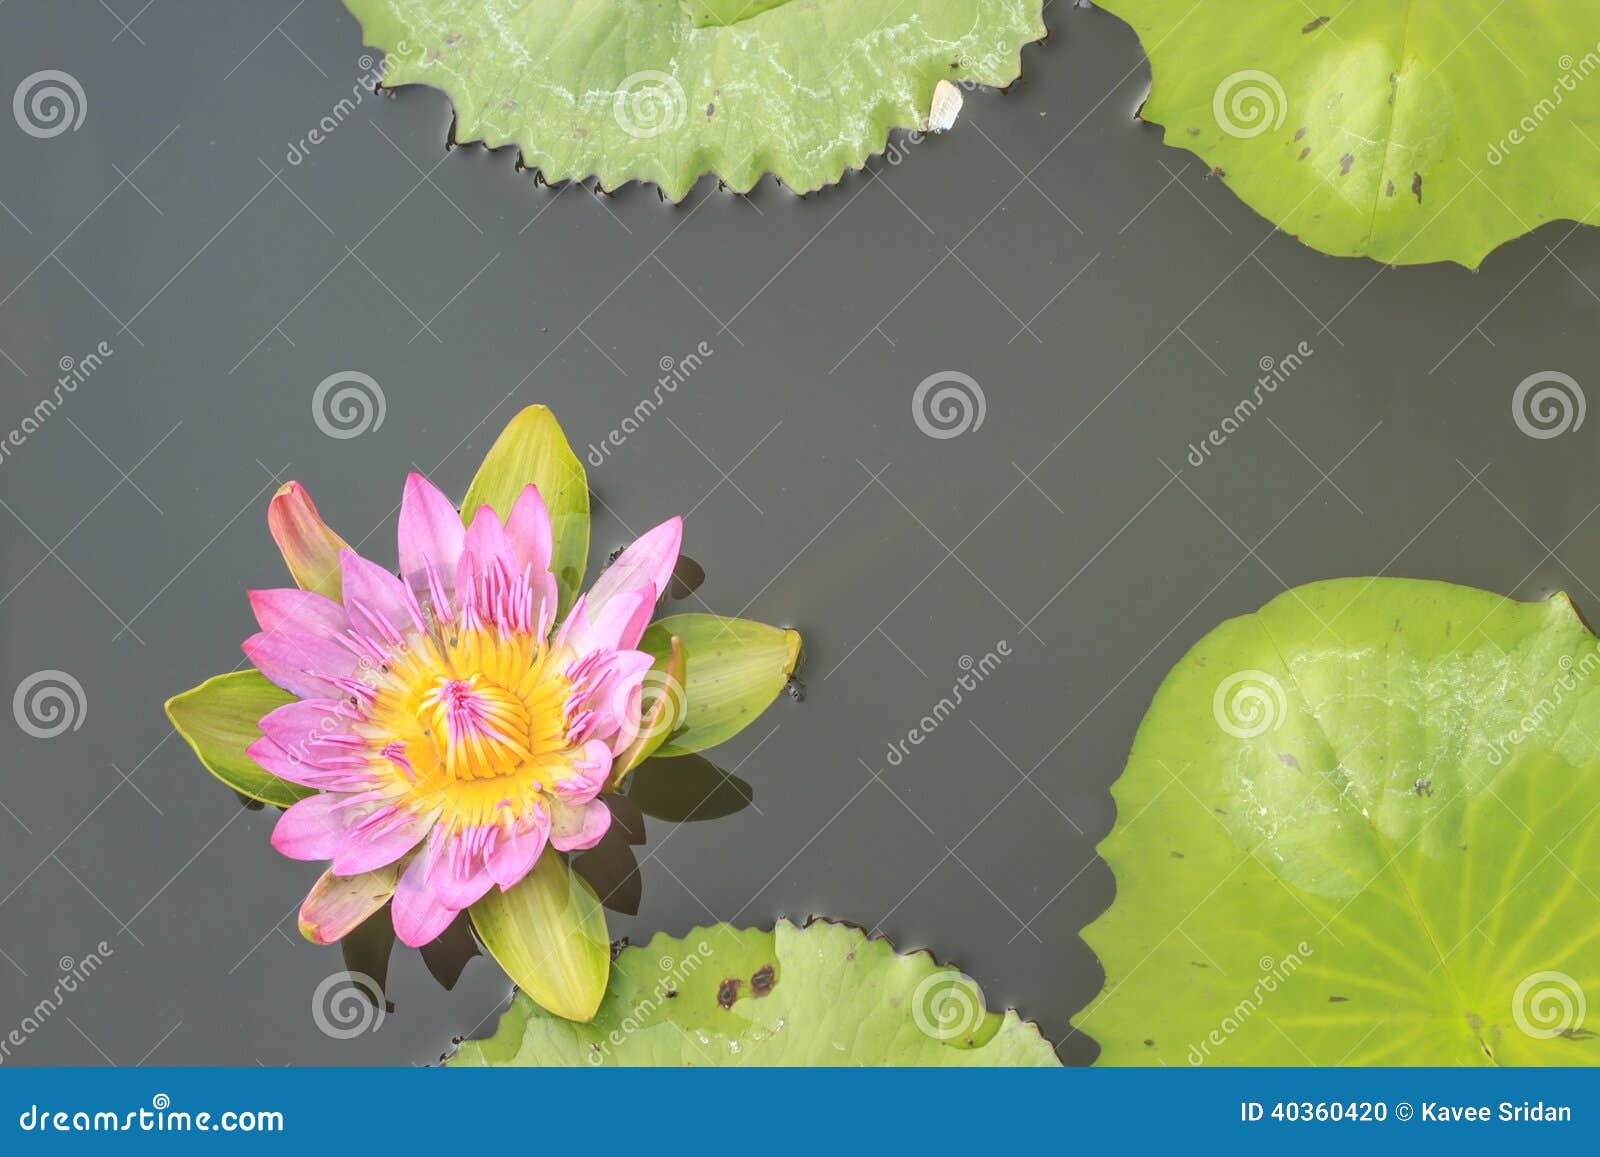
[[669, 90], [1406, 132], [823, 994], [1359, 827]]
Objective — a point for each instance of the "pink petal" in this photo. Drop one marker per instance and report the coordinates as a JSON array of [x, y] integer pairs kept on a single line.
[[618, 697], [309, 548], [573, 829], [380, 839], [458, 875], [301, 612], [486, 541], [379, 604], [302, 665], [312, 828], [292, 765], [431, 536], [336, 905], [419, 917], [615, 625], [590, 771], [528, 530], [303, 729], [654, 553], [516, 850]]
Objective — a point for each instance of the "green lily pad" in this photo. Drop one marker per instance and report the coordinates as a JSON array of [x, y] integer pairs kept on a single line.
[[823, 994], [1358, 827], [220, 718], [669, 90], [1405, 132]]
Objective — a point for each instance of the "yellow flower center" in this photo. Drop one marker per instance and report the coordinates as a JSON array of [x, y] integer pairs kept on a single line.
[[473, 724]]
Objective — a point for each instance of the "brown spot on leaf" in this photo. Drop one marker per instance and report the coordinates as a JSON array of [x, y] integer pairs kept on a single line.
[[761, 981], [1416, 186], [728, 992], [1315, 24], [1219, 172]]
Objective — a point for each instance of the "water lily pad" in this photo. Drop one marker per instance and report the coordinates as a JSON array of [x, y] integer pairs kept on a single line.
[[823, 994], [1358, 827], [1405, 132], [669, 90]]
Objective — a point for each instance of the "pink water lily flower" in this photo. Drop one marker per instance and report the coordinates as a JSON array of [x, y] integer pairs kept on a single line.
[[451, 731]]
